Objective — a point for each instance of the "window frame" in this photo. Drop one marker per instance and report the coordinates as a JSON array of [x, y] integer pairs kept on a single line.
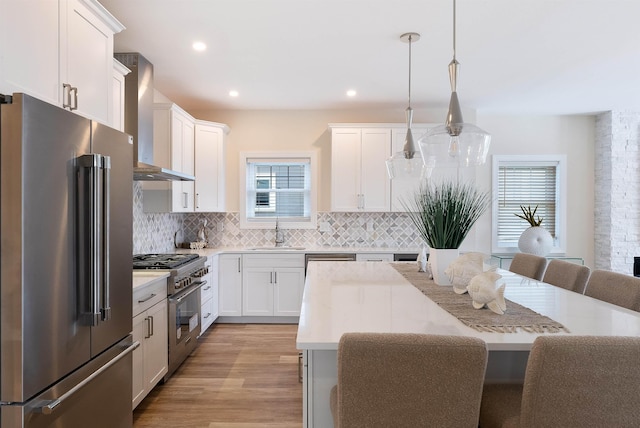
[[560, 162], [283, 222]]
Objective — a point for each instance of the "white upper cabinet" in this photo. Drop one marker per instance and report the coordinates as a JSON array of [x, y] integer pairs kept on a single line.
[[61, 52], [359, 180], [193, 147], [209, 166], [119, 73], [173, 148]]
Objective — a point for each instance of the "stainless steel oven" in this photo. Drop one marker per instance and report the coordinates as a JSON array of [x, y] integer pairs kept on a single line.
[[183, 296], [184, 325]]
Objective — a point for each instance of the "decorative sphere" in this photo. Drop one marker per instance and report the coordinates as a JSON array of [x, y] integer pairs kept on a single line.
[[536, 240]]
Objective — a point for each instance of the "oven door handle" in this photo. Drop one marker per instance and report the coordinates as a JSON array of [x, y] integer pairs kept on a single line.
[[178, 299]]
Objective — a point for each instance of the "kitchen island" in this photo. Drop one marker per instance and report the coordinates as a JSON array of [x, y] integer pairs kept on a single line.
[[342, 297]]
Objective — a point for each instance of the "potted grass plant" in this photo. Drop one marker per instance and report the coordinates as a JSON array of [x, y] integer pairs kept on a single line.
[[444, 213]]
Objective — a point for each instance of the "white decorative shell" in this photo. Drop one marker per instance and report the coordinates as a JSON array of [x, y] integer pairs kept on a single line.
[[482, 289], [462, 269]]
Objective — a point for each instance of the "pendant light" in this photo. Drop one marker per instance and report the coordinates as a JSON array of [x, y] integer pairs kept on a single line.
[[407, 163], [455, 143]]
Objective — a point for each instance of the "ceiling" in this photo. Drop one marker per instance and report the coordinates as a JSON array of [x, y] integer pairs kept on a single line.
[[517, 56]]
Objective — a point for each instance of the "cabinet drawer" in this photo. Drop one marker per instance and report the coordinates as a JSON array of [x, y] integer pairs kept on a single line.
[[273, 260], [208, 313], [207, 290], [147, 296]]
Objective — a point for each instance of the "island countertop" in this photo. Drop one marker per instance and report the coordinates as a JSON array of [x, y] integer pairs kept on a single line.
[[342, 297]]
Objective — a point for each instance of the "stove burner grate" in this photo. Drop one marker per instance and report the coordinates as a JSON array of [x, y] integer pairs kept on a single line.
[[161, 261]]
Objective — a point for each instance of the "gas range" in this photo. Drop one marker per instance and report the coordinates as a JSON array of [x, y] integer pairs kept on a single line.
[[183, 302], [184, 269]]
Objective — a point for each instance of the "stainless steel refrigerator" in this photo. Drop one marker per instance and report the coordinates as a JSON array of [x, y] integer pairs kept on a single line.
[[65, 272]]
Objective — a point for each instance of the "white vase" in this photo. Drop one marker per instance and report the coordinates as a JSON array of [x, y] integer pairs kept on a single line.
[[440, 259], [536, 240]]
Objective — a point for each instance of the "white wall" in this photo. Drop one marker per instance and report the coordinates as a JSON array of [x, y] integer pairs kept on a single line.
[[307, 130], [570, 135]]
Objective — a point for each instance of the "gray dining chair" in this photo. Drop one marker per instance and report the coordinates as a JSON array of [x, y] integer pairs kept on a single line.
[[528, 265], [613, 287], [567, 275], [408, 380], [570, 381]]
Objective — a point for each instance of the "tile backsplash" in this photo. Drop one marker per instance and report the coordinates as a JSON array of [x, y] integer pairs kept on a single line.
[[155, 232]]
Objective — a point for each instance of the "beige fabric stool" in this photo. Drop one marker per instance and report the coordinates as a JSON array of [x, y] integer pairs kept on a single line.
[[571, 381], [408, 380], [567, 275], [528, 265], [617, 288]]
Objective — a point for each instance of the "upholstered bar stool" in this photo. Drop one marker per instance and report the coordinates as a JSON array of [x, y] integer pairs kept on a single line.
[[613, 287], [528, 265], [567, 275], [408, 380], [570, 381]]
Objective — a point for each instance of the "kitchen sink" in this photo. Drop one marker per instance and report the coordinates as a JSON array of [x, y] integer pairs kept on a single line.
[[285, 248]]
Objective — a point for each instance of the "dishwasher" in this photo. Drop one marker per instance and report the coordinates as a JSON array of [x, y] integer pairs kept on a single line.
[[327, 257]]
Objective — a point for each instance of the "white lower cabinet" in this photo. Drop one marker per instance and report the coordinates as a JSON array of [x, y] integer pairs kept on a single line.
[[272, 285], [209, 296], [230, 285], [150, 359]]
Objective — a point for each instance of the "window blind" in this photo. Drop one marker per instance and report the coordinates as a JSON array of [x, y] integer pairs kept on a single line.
[[278, 188], [527, 185]]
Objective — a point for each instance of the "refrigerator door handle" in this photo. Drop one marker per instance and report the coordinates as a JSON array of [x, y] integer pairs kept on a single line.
[[106, 219], [90, 235], [51, 405]]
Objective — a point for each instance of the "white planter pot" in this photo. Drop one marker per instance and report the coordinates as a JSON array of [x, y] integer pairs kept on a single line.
[[536, 240], [440, 259]]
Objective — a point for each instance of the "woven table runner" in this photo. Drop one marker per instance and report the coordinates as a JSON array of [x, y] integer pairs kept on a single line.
[[516, 317]]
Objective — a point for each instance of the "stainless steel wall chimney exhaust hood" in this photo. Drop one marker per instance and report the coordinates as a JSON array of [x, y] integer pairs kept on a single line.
[[138, 119]]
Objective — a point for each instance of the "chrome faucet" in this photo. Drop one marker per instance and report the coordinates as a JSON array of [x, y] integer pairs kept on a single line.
[[279, 235]]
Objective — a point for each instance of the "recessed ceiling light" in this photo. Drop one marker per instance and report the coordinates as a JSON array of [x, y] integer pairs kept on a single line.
[[233, 93], [199, 46], [351, 93]]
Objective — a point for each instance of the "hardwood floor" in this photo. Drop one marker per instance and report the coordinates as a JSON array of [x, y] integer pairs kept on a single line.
[[240, 376]]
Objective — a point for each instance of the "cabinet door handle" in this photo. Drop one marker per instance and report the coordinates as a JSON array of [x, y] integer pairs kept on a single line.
[[67, 89], [66, 95], [148, 298], [239, 264], [185, 199], [197, 200], [151, 334], [208, 287], [275, 276], [270, 277], [75, 98], [207, 316], [148, 320]]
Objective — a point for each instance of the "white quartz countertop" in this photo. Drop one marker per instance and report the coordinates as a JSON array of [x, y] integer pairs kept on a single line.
[[342, 297], [142, 278]]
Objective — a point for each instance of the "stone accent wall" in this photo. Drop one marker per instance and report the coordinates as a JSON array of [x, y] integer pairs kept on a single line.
[[154, 233], [617, 191], [377, 230]]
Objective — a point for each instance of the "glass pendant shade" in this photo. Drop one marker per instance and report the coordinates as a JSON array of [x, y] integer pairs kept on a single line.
[[408, 162], [455, 143], [469, 148]]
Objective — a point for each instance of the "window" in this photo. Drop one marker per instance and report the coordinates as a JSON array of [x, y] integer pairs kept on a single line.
[[530, 181], [277, 188]]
